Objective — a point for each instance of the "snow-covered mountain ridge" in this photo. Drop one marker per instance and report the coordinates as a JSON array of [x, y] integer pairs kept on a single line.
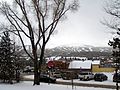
[[79, 51], [83, 49]]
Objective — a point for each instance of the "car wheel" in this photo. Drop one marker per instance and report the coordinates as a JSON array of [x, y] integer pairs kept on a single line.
[[102, 79], [87, 78]]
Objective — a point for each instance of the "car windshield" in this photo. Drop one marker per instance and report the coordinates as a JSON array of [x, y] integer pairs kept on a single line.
[[100, 74], [83, 73]]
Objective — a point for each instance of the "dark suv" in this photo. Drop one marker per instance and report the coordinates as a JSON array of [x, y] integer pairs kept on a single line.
[[116, 77], [100, 77]]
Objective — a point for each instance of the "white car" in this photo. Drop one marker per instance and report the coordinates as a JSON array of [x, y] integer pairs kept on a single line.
[[86, 76]]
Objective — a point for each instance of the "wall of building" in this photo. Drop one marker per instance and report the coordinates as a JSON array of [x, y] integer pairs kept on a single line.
[[97, 68], [80, 70]]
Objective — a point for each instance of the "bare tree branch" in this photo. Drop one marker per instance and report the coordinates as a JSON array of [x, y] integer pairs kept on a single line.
[[47, 14]]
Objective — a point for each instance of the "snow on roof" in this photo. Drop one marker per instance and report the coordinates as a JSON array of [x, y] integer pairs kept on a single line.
[[82, 64], [79, 64], [96, 62]]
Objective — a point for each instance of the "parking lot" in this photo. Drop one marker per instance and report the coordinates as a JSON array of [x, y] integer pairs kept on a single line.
[[108, 83]]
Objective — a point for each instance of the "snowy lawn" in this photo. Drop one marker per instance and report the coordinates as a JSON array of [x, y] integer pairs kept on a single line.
[[27, 85]]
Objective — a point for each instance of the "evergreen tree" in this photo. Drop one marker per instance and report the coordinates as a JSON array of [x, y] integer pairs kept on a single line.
[[7, 62]]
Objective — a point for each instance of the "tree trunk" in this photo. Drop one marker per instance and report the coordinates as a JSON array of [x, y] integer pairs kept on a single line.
[[41, 59], [36, 73], [36, 67]]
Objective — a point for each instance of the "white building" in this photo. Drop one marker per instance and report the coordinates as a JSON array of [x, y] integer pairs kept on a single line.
[[82, 65]]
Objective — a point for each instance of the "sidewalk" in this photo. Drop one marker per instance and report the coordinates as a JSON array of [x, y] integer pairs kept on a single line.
[[86, 84]]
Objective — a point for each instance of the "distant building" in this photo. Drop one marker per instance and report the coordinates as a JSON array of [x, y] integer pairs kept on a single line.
[[57, 64], [88, 65], [82, 65], [76, 58]]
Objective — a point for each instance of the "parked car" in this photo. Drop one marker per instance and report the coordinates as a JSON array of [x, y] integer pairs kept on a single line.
[[100, 77], [28, 69], [116, 77], [68, 75], [86, 76], [56, 75], [47, 79]]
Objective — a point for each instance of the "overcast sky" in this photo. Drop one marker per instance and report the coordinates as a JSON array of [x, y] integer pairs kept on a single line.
[[83, 27]]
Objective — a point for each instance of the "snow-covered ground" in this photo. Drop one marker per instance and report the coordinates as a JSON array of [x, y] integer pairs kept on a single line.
[[27, 85]]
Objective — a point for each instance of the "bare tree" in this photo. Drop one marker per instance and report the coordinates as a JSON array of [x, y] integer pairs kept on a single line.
[[112, 8], [36, 20]]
